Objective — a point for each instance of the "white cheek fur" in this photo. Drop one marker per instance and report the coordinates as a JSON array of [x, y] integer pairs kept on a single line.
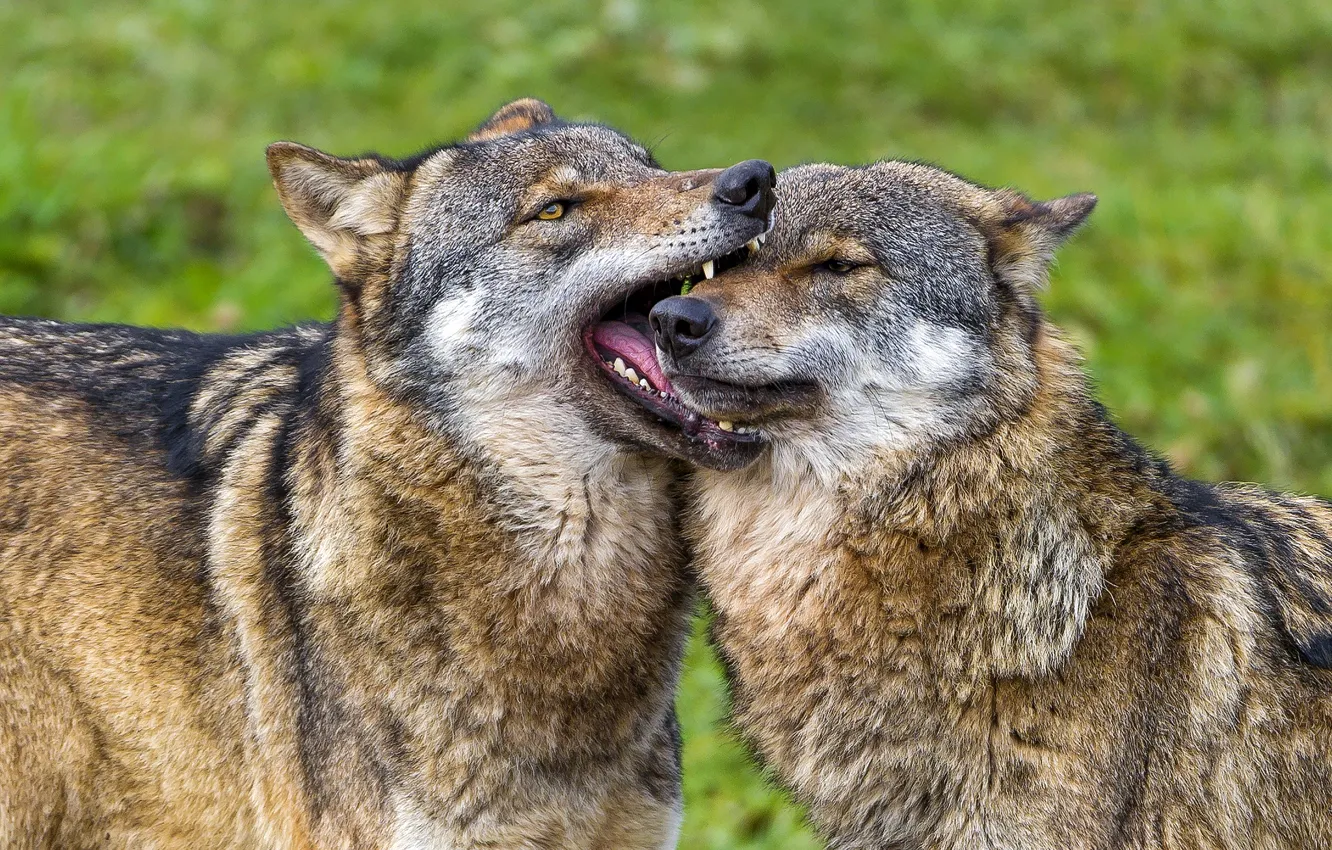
[[941, 355], [450, 324], [892, 399]]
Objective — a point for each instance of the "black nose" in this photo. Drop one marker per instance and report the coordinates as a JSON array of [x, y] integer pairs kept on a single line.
[[749, 187], [681, 324]]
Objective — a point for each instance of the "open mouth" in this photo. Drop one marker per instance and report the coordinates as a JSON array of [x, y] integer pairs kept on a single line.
[[621, 344]]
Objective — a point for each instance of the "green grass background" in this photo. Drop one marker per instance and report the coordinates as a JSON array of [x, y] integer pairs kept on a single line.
[[132, 184]]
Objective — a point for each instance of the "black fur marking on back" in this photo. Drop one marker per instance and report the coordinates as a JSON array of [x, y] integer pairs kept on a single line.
[[1283, 574], [136, 383], [1318, 651], [141, 379]]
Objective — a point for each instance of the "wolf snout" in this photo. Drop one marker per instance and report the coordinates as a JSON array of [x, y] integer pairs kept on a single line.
[[749, 187], [681, 324]]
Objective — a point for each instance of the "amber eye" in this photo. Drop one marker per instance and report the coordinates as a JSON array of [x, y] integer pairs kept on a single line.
[[552, 211], [838, 266]]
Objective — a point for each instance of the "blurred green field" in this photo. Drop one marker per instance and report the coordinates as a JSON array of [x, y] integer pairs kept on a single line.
[[132, 183]]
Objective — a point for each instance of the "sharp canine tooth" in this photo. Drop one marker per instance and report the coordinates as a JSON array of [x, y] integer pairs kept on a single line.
[[618, 366], [631, 375], [726, 426], [761, 238], [709, 269]]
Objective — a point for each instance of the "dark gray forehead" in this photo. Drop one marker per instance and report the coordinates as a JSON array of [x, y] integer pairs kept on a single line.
[[911, 218], [888, 204]]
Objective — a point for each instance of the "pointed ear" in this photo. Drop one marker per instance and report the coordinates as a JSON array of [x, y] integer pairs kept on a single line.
[[341, 205], [1024, 234], [522, 114]]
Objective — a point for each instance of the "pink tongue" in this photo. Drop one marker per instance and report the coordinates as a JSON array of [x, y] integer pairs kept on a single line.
[[636, 349]]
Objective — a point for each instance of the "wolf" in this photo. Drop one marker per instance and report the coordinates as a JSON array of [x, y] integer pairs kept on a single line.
[[959, 607], [410, 579]]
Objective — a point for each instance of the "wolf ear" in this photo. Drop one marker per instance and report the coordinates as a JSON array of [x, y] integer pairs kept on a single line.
[[339, 204], [1024, 234], [522, 114]]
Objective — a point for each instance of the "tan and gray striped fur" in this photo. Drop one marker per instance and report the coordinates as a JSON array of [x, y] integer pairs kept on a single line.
[[407, 580], [959, 607]]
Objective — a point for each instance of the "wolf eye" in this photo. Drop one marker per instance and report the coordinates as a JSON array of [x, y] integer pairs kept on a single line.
[[838, 266], [552, 211]]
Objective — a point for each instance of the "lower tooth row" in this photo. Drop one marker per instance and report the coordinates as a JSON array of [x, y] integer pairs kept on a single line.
[[619, 368], [732, 427]]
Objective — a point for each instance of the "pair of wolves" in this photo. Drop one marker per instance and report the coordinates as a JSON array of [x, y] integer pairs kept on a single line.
[[419, 579]]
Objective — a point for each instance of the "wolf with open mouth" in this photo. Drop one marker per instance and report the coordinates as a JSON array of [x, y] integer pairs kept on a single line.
[[622, 341], [408, 580]]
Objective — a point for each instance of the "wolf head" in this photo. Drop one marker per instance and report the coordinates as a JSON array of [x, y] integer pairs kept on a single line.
[[892, 307], [495, 282]]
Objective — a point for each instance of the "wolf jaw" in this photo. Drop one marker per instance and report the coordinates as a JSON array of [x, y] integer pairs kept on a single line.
[[620, 343]]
